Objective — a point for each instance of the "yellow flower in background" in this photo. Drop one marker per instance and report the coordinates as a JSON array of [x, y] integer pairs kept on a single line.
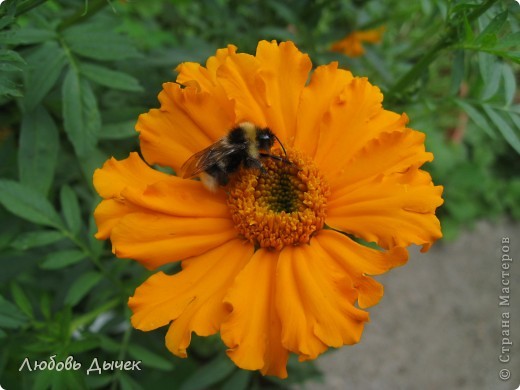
[[268, 261], [352, 44]]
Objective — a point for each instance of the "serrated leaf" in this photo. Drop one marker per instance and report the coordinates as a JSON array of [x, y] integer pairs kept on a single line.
[[36, 239], [509, 84], [10, 316], [70, 209], [38, 150], [21, 300], [504, 128], [477, 117], [210, 374], [44, 67], [110, 78], [61, 259], [94, 41], [80, 113], [149, 358], [82, 286], [28, 204]]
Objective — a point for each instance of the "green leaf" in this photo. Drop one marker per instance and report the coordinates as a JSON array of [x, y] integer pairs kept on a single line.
[[10, 60], [510, 40], [479, 119], [38, 151], [21, 300], [80, 113], [509, 84], [28, 204], [99, 43], [457, 71], [9, 88], [210, 374], [10, 316], [487, 35], [61, 259], [149, 358], [26, 36], [44, 67], [507, 131], [492, 82], [82, 287], [36, 239], [128, 383], [70, 209], [119, 130], [110, 78], [239, 380]]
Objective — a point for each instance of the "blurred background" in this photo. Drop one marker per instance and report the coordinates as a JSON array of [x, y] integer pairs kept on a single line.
[[74, 76]]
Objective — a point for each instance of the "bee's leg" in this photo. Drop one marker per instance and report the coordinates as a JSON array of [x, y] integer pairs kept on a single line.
[[277, 158]]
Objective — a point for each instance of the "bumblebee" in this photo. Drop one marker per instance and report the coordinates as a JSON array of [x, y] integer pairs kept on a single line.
[[242, 147]]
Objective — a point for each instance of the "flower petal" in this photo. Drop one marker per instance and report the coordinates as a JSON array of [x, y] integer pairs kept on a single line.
[[355, 118], [115, 176], [192, 298], [393, 210], [266, 88], [253, 329], [156, 239], [389, 153], [315, 303], [315, 103], [188, 121], [129, 185], [358, 261], [284, 71]]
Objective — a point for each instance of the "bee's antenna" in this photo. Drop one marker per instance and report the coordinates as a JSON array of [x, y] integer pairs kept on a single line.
[[280, 144]]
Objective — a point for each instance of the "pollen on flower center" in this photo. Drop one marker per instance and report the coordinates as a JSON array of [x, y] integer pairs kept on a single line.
[[285, 204]]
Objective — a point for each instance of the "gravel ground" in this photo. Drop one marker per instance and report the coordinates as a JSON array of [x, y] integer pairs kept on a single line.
[[439, 325]]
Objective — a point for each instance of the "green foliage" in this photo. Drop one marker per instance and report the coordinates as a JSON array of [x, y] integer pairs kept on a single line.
[[74, 76]]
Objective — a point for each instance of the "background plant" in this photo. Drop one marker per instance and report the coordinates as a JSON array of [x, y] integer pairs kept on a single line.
[[75, 76]]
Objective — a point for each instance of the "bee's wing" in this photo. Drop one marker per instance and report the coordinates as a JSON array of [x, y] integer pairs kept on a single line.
[[204, 159]]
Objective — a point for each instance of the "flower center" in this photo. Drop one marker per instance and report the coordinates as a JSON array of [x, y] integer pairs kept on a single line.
[[285, 204]]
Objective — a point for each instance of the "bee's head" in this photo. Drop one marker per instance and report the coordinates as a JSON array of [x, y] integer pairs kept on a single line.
[[265, 139]]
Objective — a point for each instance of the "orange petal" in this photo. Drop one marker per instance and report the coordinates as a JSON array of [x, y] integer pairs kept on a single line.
[[315, 103], [238, 75], [355, 118], [357, 261], [130, 184], [395, 210], [188, 121], [284, 71], [253, 329], [389, 153], [192, 298], [108, 213], [156, 239], [315, 302], [115, 176]]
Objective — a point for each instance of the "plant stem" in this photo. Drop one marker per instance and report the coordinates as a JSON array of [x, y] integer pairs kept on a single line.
[[444, 41], [83, 14]]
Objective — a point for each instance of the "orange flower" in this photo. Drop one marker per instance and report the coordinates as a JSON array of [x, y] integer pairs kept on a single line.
[[268, 261], [352, 46]]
